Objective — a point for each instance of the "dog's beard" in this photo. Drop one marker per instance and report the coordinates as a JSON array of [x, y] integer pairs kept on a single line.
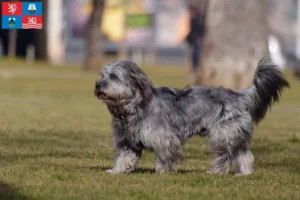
[[105, 98], [113, 96], [100, 95]]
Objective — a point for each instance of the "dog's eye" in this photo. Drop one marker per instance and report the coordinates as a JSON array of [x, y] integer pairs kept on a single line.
[[114, 77]]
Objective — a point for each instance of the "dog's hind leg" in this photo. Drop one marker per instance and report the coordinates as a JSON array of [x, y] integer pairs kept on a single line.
[[243, 157], [228, 140], [244, 162], [126, 161], [219, 145]]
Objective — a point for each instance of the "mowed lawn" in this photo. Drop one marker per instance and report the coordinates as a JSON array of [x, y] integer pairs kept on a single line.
[[55, 143]]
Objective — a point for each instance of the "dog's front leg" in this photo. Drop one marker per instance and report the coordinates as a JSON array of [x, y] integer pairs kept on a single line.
[[167, 156], [126, 160]]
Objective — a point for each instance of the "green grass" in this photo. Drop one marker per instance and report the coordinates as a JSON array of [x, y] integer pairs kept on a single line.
[[55, 143]]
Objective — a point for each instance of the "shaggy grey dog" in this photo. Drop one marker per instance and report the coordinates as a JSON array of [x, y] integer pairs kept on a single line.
[[162, 119]]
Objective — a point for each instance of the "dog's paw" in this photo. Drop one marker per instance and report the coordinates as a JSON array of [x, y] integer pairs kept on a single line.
[[242, 174], [111, 171], [238, 174]]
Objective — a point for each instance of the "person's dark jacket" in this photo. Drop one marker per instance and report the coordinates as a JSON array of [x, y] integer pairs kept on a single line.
[[197, 30]]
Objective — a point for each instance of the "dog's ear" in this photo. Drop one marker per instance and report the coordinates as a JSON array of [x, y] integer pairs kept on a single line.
[[144, 86], [140, 81]]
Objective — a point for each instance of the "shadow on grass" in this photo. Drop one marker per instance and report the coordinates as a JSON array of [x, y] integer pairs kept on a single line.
[[9, 193], [137, 171], [144, 170], [178, 171]]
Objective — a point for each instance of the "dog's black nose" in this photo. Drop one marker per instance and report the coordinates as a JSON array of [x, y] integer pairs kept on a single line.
[[99, 84]]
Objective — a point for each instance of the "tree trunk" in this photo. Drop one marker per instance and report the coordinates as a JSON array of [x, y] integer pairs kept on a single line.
[[235, 40], [93, 41]]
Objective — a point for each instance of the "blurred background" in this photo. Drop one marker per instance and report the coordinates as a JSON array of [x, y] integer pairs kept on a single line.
[[235, 35]]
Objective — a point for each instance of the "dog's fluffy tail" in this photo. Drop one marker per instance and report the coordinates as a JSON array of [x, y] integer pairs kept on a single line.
[[268, 82]]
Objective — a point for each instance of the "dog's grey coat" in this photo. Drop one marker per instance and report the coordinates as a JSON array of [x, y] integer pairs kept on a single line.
[[162, 119]]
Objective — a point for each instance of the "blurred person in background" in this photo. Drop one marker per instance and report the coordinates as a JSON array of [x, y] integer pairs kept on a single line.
[[195, 39]]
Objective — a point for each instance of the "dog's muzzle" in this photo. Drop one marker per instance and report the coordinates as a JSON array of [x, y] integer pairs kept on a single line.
[[98, 92]]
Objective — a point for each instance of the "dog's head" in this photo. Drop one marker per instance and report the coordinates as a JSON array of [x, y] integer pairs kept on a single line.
[[122, 82]]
